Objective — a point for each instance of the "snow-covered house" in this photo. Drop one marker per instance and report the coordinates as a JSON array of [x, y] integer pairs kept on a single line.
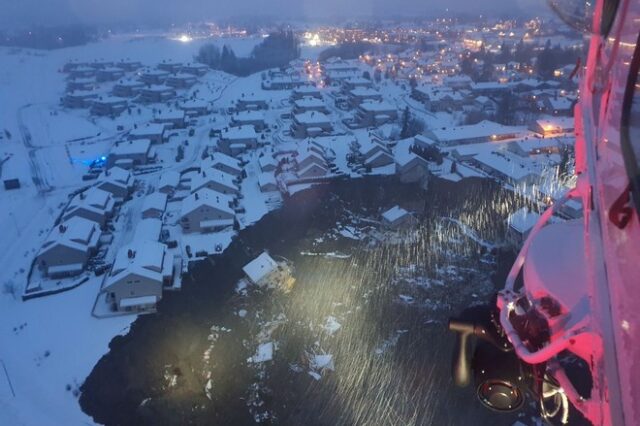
[[353, 83], [154, 205], [194, 107], [131, 153], [253, 102], [397, 217], [181, 81], [148, 230], [108, 106], [206, 210], [310, 123], [237, 139], [375, 154], [253, 118], [305, 92], [109, 74], [313, 170], [506, 167], [222, 162], [168, 182], [267, 163], [264, 271], [79, 98], [520, 224], [553, 126], [194, 68], [170, 66], [362, 94], [118, 181], [371, 114], [267, 182], [484, 131], [309, 104], [562, 105], [68, 247], [409, 166], [171, 119], [215, 180], [127, 88], [154, 132], [138, 275], [152, 76], [485, 104], [93, 204], [308, 157], [156, 94]]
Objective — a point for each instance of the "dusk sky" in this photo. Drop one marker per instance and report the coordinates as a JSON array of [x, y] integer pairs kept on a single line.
[[54, 12]]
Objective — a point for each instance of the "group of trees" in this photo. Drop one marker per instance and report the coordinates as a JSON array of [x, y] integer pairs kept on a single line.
[[346, 50], [411, 126], [50, 37], [547, 60], [275, 51], [552, 58], [429, 153]]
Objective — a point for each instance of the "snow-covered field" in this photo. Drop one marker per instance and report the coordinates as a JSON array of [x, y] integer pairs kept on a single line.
[[49, 345]]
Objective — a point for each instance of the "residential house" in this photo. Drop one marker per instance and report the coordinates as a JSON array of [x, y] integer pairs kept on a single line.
[[119, 182], [68, 247], [154, 205], [94, 204], [206, 210], [138, 275], [309, 124]]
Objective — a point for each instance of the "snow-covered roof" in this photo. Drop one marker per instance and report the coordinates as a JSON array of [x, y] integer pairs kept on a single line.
[[220, 158], [148, 229], [312, 117], [248, 116], [266, 179], [308, 102], [306, 90], [483, 129], [523, 220], [132, 147], [151, 129], [169, 179], [76, 232], [117, 175], [145, 258], [205, 197], [213, 176], [365, 92], [194, 104], [556, 123], [172, 114], [246, 131], [267, 160], [310, 167], [260, 267], [394, 213], [93, 197], [377, 107], [505, 164], [110, 100], [155, 201]]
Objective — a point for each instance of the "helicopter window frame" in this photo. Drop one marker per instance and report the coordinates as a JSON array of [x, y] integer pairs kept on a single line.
[[631, 161], [609, 12]]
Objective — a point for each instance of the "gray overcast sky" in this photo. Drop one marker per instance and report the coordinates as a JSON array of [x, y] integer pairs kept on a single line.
[[54, 12]]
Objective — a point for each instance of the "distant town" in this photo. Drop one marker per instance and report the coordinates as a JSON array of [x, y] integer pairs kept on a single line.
[[189, 153]]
